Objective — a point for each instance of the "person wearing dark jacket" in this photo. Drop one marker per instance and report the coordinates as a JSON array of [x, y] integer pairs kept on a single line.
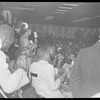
[[85, 78]]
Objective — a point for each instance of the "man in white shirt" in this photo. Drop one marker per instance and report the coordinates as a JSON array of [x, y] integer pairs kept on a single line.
[[44, 75], [9, 82]]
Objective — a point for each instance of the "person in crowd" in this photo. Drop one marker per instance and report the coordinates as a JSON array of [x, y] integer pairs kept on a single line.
[[26, 53], [13, 52], [43, 75], [25, 58], [85, 81], [9, 82]]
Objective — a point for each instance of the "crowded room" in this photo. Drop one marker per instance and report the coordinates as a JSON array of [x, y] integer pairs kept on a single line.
[[49, 50]]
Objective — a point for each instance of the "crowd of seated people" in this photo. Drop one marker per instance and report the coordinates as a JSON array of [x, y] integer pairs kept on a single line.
[[70, 46], [55, 55]]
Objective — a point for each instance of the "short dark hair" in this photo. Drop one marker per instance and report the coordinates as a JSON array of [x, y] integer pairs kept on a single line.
[[41, 51]]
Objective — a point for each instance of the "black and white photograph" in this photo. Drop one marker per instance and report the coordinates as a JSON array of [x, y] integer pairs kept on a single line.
[[49, 49]]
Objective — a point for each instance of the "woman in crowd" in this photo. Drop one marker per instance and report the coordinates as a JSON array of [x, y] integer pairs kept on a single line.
[[26, 50]]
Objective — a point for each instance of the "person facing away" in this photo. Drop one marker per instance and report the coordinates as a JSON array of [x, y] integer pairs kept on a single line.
[[44, 75], [85, 78], [9, 82]]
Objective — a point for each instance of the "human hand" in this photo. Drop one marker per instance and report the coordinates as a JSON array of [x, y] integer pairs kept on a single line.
[[11, 63], [11, 66], [61, 71], [61, 78]]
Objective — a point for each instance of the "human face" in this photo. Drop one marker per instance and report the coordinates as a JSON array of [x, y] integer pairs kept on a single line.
[[29, 32]]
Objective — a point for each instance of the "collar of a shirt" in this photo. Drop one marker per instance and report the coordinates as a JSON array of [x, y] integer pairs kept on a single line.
[[43, 61]]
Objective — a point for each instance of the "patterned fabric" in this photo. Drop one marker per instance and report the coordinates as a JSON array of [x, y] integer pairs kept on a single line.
[[23, 60]]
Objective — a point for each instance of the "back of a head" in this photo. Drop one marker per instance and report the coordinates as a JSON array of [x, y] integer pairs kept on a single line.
[[41, 52], [51, 48], [45, 52], [6, 36]]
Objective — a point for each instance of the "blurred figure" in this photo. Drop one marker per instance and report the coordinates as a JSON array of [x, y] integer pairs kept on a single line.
[[26, 53], [9, 81], [86, 73]]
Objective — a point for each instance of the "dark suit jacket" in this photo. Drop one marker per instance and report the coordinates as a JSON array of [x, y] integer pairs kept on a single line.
[[85, 78]]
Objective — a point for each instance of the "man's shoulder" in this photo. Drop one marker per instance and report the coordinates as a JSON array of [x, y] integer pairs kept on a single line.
[[33, 66], [85, 53], [2, 53], [88, 49], [34, 63], [44, 65], [48, 67]]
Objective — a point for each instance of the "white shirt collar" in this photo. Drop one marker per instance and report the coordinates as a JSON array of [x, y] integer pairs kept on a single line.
[[43, 61]]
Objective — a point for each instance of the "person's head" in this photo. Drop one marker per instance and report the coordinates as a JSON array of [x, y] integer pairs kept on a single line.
[[6, 36], [51, 50], [42, 53], [45, 52], [16, 41], [24, 26], [28, 32]]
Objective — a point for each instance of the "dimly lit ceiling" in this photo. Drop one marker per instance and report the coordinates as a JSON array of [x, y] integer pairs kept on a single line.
[[59, 13]]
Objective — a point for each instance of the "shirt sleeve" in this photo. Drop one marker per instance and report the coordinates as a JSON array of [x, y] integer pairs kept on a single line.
[[49, 76], [14, 81], [8, 81]]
